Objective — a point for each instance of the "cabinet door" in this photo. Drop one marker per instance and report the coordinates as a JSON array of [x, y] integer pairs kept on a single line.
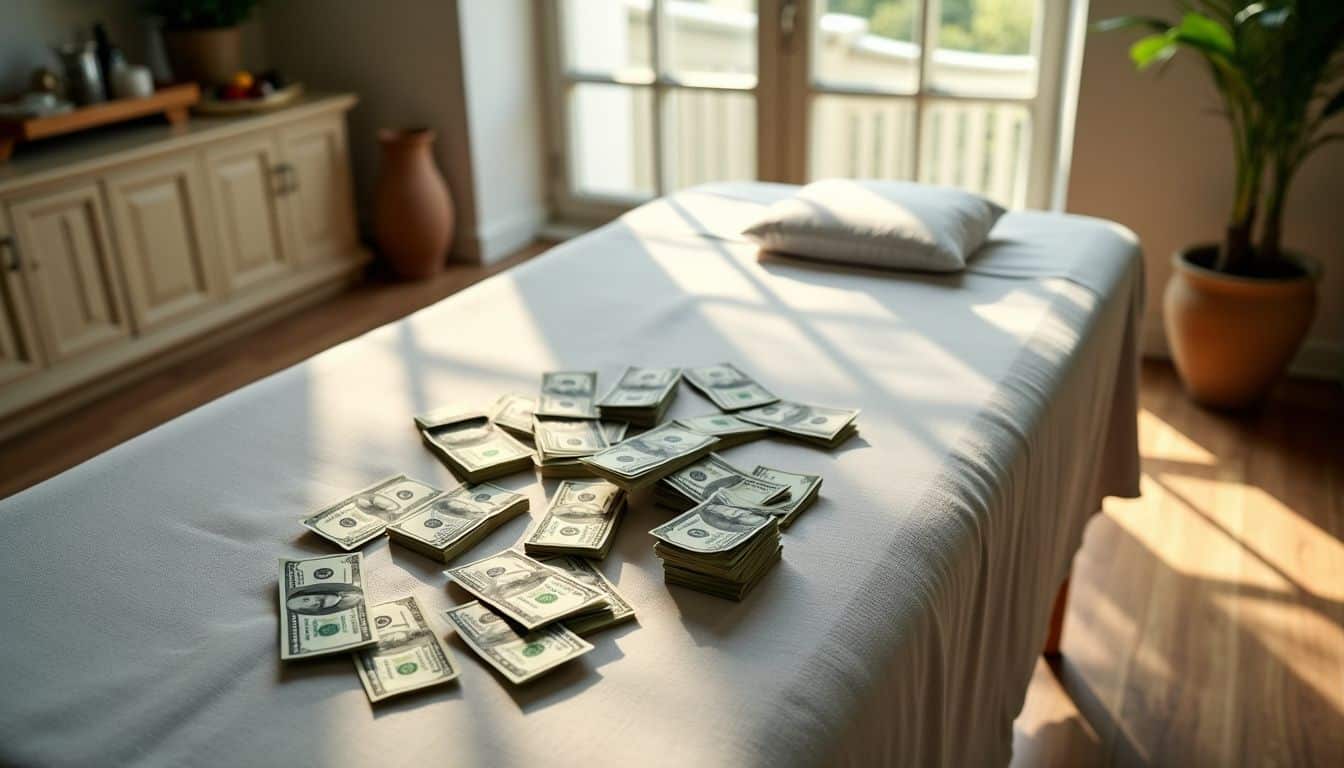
[[317, 194], [19, 355], [162, 226], [68, 267], [244, 179]]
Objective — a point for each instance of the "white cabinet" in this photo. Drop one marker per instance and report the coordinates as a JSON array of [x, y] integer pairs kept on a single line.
[[163, 233], [317, 190], [245, 182], [119, 252], [68, 267], [19, 355]]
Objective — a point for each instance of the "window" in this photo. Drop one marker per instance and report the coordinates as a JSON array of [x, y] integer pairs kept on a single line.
[[651, 96]]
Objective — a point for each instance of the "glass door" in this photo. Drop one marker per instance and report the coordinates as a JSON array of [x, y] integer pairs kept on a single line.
[[652, 96], [961, 93]]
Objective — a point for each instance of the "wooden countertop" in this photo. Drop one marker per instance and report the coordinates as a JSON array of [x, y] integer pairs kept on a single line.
[[60, 158]]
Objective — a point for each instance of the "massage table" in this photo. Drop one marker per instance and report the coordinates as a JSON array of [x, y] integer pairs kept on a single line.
[[901, 627]]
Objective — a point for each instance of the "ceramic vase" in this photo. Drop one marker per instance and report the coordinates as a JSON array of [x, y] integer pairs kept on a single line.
[[413, 212]]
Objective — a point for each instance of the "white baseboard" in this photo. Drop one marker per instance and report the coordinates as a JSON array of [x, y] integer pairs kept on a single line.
[[496, 239], [1317, 359]]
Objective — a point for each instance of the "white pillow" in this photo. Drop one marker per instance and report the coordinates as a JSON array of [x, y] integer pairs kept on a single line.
[[886, 224]]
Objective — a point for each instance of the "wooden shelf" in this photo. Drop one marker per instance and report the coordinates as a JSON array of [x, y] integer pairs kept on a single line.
[[172, 101]]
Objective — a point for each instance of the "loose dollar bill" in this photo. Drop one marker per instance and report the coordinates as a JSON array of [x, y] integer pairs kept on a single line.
[[580, 520], [475, 449], [817, 424], [514, 413], [322, 607], [712, 475], [718, 548], [450, 524], [617, 609], [803, 490], [519, 656], [729, 388], [524, 589], [409, 655], [729, 429], [646, 458], [364, 515], [568, 394], [641, 396]]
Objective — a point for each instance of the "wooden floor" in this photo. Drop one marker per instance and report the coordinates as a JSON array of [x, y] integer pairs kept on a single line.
[[1206, 622]]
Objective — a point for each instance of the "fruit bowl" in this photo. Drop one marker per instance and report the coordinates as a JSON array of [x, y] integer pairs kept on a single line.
[[211, 105]]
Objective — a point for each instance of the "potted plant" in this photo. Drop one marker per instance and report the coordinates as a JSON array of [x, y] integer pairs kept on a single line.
[[1235, 312], [202, 38]]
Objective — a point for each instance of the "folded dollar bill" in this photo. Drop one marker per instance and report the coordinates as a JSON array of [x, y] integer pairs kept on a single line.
[[648, 457], [409, 654], [362, 516], [580, 520], [712, 475], [449, 525], [322, 607], [641, 396], [568, 394], [514, 413], [729, 388], [803, 491], [519, 656], [718, 548], [448, 414], [474, 448], [617, 609], [827, 427], [523, 589], [729, 429]]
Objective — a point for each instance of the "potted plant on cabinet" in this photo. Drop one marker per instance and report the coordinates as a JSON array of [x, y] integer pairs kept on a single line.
[[1236, 312], [202, 37]]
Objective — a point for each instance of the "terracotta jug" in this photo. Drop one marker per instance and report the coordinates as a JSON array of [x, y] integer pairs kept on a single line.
[[413, 213]]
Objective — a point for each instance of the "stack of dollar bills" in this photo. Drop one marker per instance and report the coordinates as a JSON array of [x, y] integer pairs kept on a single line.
[[471, 445], [617, 609], [520, 655], [561, 442], [727, 387], [568, 395], [449, 524], [729, 429], [803, 490], [410, 654], [362, 516], [641, 396], [699, 481], [529, 601], [646, 458], [826, 427], [524, 590], [718, 548], [580, 520], [514, 413]]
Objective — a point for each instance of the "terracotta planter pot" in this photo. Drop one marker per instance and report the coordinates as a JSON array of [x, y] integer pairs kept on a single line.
[[207, 56], [1232, 337], [413, 212]]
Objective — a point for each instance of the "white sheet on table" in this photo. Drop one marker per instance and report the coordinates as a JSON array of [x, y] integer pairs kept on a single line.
[[901, 626]]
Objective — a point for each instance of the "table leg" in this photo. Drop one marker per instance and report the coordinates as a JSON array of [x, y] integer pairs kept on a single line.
[[1052, 640], [177, 116], [6, 147]]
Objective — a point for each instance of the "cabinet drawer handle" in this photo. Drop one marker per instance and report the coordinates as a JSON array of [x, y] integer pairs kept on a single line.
[[292, 183], [13, 263], [279, 176]]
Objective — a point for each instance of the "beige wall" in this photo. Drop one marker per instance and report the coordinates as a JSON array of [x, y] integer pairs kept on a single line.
[[1148, 152], [403, 59]]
